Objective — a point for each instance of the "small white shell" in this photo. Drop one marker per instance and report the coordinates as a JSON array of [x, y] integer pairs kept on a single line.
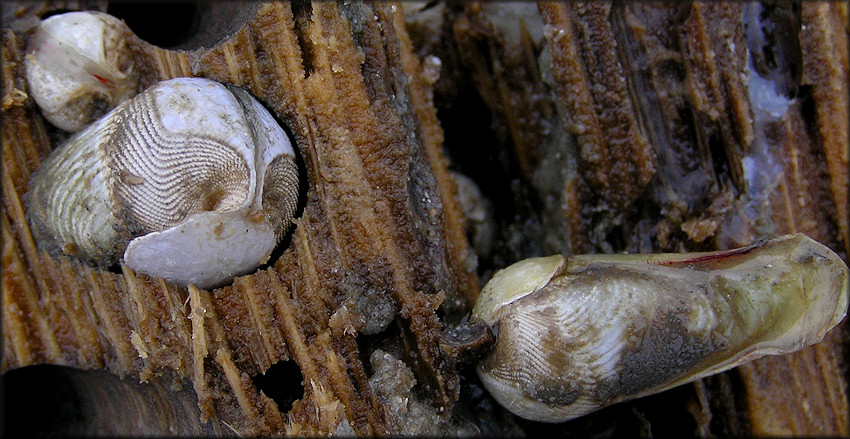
[[190, 180], [78, 67], [578, 334]]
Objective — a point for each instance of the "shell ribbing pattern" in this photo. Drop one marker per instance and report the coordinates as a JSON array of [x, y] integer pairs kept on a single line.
[[166, 177], [527, 331], [171, 182], [280, 192], [69, 200]]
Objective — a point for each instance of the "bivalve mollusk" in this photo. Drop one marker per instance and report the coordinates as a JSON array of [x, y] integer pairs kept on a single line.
[[191, 180], [577, 334], [79, 66]]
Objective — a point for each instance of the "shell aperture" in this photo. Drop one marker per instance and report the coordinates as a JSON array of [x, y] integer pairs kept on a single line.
[[175, 180], [589, 331]]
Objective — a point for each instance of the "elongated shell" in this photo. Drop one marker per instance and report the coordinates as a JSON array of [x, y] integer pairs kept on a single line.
[[190, 180], [78, 67], [578, 334]]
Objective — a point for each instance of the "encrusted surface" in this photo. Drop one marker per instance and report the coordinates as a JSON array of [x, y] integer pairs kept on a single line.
[[670, 127], [588, 127], [374, 220]]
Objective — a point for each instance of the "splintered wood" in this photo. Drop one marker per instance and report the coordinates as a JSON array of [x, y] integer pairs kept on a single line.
[[689, 126], [586, 127], [378, 218]]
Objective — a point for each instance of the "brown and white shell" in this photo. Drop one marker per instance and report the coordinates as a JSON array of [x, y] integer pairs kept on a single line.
[[191, 181], [575, 335], [79, 66]]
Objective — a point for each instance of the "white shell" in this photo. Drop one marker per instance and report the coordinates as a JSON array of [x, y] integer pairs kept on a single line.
[[190, 180], [578, 334], [78, 67]]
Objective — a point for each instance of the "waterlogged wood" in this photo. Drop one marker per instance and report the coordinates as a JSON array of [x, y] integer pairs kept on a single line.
[[741, 106], [379, 236], [589, 128]]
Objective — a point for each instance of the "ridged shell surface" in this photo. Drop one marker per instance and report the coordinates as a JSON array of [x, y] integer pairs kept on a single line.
[[575, 335], [79, 66], [196, 180]]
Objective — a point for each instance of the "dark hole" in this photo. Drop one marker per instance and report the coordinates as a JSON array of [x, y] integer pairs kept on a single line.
[[184, 24], [301, 12], [661, 415], [616, 237], [808, 109], [685, 129], [718, 155], [476, 151], [665, 414], [161, 24], [727, 401], [49, 400], [281, 383], [39, 401]]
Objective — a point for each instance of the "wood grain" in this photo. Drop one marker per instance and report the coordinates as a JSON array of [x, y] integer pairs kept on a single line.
[[588, 128]]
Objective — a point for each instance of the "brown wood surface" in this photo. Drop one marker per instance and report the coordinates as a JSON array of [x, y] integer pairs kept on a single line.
[[625, 127], [375, 220]]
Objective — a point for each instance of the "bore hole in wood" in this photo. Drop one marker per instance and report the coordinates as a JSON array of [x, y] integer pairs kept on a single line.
[[184, 25], [281, 383], [49, 400]]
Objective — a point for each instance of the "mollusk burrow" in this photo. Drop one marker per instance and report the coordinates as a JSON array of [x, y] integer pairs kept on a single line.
[[575, 335], [191, 180], [79, 66]]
